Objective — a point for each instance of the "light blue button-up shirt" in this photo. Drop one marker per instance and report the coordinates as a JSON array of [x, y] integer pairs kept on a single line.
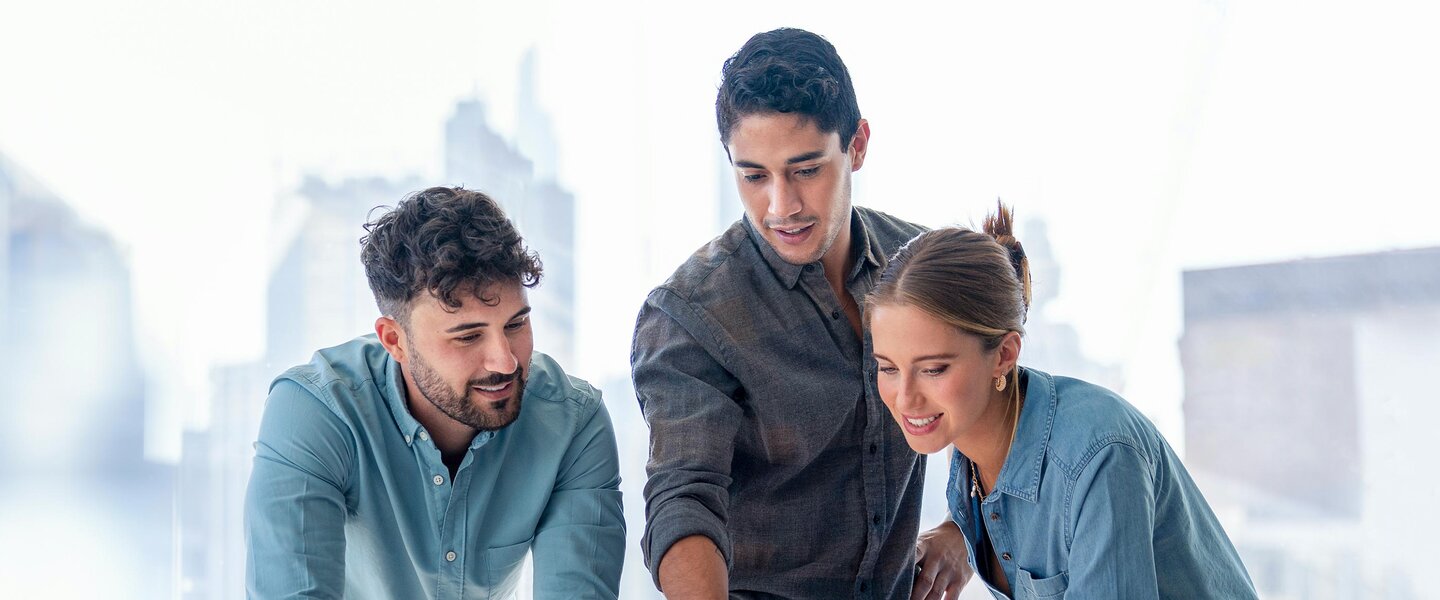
[[349, 495], [1093, 503]]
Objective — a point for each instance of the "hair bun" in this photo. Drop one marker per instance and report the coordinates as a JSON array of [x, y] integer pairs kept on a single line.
[[1001, 226]]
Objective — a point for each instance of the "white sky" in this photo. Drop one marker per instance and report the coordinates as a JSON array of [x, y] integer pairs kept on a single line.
[[1153, 136]]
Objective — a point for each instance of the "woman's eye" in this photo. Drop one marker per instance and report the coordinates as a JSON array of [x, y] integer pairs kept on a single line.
[[934, 370]]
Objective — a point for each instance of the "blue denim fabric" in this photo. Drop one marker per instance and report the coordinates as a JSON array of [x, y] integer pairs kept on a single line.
[[349, 495], [1093, 503]]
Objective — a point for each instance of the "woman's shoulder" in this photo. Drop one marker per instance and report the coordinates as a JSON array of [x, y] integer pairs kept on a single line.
[[1087, 419]]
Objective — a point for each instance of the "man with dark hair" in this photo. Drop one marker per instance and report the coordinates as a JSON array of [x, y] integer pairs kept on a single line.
[[775, 470], [400, 464]]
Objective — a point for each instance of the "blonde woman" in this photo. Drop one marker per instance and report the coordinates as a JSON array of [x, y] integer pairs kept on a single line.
[[1061, 488]]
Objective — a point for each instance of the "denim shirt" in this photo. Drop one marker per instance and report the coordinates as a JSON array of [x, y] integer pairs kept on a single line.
[[1093, 503], [767, 434], [349, 495]]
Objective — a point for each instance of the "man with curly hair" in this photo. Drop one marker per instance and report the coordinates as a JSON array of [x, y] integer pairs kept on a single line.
[[775, 469], [401, 464]]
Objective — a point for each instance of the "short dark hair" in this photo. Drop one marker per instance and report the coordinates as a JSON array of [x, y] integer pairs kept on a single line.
[[445, 242], [788, 71]]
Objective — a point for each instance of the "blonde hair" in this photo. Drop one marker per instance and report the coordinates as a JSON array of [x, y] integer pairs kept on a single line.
[[976, 282]]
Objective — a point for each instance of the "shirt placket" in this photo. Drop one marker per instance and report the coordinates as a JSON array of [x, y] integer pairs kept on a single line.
[[448, 499], [872, 466], [873, 455]]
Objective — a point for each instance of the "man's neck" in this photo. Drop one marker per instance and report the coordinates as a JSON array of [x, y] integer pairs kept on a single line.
[[837, 261], [837, 264]]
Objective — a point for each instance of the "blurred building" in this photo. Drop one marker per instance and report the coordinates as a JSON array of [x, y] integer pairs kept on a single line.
[[522, 178], [75, 486], [1307, 420]]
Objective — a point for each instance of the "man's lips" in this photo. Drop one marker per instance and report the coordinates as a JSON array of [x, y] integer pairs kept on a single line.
[[495, 391], [794, 234]]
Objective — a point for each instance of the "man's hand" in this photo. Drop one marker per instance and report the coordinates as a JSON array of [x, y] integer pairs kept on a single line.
[[941, 566]]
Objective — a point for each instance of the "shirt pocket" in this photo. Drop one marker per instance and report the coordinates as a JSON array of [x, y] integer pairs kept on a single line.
[[1028, 587], [502, 569]]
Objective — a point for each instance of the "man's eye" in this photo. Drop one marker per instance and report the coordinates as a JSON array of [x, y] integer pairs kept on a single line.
[[754, 177], [810, 172], [515, 325], [468, 338]]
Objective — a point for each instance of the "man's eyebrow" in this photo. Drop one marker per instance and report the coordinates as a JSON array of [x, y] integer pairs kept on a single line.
[[473, 325], [806, 157]]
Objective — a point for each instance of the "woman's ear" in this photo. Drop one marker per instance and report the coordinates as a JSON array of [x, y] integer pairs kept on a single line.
[[1009, 354]]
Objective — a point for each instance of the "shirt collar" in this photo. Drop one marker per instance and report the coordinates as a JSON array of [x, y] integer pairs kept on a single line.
[[861, 247], [394, 392], [1020, 477]]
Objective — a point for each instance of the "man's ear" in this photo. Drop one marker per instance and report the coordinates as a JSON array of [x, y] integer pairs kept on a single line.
[[392, 337], [859, 144]]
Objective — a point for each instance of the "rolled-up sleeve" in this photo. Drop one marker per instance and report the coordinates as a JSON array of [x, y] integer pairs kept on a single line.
[[580, 542], [295, 504], [688, 399]]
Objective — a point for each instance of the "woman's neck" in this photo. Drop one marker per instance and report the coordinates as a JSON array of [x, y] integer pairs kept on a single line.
[[988, 444]]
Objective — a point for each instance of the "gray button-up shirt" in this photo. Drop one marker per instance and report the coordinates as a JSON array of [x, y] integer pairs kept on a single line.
[[767, 433]]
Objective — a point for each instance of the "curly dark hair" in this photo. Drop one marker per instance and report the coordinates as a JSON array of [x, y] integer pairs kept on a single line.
[[788, 71], [447, 242]]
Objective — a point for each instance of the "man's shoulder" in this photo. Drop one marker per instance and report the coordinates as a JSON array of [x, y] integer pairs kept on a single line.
[[339, 375], [548, 381], [889, 231], [715, 266]]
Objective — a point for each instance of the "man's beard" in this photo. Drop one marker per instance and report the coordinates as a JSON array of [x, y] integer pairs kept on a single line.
[[483, 415]]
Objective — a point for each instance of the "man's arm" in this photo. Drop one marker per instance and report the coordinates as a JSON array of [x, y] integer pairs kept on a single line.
[[694, 568], [580, 542], [687, 398], [294, 505]]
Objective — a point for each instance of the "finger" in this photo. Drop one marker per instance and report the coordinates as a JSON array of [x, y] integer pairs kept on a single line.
[[924, 583], [936, 593]]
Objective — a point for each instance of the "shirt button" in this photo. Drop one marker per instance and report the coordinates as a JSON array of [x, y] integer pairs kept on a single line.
[[439, 480], [1005, 556], [450, 556], [876, 519], [834, 314], [424, 436], [809, 268], [994, 516], [872, 448], [407, 438]]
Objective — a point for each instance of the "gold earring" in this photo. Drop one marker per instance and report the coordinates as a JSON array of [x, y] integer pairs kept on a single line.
[[1000, 383]]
